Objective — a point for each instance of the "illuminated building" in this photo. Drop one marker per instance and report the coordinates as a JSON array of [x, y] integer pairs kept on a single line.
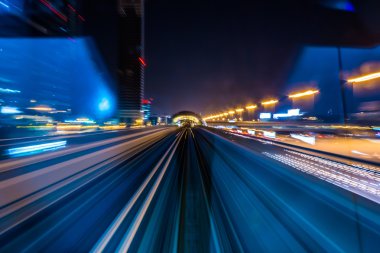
[[145, 108], [131, 60]]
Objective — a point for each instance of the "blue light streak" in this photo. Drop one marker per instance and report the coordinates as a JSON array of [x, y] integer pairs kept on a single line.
[[6, 90], [5, 5], [36, 148]]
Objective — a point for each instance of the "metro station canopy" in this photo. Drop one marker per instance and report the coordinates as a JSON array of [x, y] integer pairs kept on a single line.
[[189, 116]]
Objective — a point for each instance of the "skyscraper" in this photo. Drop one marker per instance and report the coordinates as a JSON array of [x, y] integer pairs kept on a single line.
[[131, 60]]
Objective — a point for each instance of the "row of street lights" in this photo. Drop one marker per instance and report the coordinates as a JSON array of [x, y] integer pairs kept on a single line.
[[252, 107], [310, 92]]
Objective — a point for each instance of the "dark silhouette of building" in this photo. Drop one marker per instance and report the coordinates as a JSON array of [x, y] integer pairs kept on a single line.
[[131, 60]]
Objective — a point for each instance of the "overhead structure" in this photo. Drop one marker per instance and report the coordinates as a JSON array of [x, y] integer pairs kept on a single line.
[[187, 116]]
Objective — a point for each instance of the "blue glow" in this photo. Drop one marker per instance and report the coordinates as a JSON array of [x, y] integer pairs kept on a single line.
[[342, 5], [104, 105], [349, 7], [28, 150]]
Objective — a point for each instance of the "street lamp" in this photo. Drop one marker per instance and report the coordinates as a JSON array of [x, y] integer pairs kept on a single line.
[[353, 81], [251, 107], [240, 111], [270, 102], [364, 78], [303, 94]]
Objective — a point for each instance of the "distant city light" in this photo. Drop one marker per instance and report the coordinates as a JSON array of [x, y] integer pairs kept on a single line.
[[231, 112], [291, 113], [239, 110], [81, 120], [265, 115], [6, 90], [303, 94], [280, 115], [33, 101], [270, 102], [268, 134], [364, 78], [294, 112], [58, 111], [9, 110], [41, 108], [251, 107], [251, 132]]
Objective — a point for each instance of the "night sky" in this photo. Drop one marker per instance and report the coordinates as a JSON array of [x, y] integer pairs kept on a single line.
[[203, 56], [209, 56]]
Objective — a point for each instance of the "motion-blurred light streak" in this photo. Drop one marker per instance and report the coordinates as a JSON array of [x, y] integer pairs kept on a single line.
[[364, 78], [307, 139], [101, 245], [41, 108], [54, 10], [126, 242], [36, 148], [6, 90], [355, 179], [5, 5]]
